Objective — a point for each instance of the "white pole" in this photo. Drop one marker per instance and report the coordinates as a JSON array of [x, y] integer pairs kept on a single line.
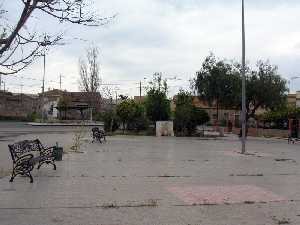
[[43, 87], [243, 81], [59, 81]]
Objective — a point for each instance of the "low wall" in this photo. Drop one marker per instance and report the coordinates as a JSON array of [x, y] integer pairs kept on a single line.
[[259, 132]]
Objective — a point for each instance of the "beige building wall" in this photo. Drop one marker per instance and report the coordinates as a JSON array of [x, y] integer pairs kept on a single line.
[[292, 99]]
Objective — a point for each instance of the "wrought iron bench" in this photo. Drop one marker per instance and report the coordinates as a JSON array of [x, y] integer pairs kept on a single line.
[[24, 157], [292, 140], [98, 135]]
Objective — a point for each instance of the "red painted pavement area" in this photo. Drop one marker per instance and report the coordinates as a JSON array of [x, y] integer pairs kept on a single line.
[[223, 194]]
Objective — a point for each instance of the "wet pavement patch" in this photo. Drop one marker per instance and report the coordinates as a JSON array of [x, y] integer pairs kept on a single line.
[[285, 160], [237, 153], [281, 221], [168, 176], [287, 174], [207, 195], [133, 204], [10, 189], [247, 175]]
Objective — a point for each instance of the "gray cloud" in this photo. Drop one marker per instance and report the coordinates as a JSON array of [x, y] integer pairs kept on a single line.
[[173, 36]]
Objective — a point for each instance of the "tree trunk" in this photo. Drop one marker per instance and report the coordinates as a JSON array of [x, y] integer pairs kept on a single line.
[[111, 124], [217, 121]]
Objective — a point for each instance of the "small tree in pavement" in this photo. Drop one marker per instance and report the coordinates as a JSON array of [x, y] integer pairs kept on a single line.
[[157, 104]]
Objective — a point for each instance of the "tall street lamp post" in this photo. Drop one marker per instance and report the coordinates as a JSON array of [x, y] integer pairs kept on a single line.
[[289, 82], [45, 43], [43, 86], [243, 81]]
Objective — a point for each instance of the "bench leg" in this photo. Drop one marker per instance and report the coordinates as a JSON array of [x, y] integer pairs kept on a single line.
[[54, 166], [12, 177], [31, 179], [27, 174], [48, 162]]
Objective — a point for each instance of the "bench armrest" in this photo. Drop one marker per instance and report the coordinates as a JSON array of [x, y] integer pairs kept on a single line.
[[47, 151], [24, 159]]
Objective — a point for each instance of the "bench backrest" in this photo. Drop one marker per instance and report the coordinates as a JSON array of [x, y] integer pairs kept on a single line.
[[20, 148], [96, 130]]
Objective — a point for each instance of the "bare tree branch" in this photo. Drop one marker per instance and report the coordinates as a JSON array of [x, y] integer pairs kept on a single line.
[[19, 47], [89, 71]]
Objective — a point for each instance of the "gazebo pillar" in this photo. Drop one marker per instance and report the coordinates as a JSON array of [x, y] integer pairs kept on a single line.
[[91, 114]]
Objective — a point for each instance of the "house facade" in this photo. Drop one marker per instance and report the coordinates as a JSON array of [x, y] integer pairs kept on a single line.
[[224, 115]]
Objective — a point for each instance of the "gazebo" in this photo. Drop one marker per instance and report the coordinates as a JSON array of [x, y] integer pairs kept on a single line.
[[82, 107]]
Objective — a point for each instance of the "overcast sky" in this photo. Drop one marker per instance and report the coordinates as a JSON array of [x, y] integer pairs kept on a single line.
[[168, 36]]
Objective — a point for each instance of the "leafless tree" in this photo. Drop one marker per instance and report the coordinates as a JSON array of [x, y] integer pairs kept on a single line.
[[19, 46], [89, 71]]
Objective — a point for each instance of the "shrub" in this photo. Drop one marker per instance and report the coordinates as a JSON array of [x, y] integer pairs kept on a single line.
[[132, 115], [187, 116], [107, 117]]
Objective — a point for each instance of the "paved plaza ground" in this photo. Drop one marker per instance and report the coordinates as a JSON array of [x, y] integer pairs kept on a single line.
[[149, 180]]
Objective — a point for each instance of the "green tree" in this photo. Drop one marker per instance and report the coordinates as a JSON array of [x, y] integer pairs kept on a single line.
[[183, 112], [157, 104], [280, 116], [265, 89], [187, 116], [132, 115], [63, 105], [139, 121], [199, 117], [109, 117], [217, 83], [125, 111]]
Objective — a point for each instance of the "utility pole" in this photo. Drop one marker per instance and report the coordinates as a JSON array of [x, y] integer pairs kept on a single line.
[[43, 87], [59, 81], [116, 98], [140, 88], [44, 44], [243, 81], [140, 91], [2, 82], [21, 85], [60, 76], [112, 117]]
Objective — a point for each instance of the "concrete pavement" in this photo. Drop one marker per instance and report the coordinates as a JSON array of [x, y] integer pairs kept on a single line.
[[149, 180], [13, 129]]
